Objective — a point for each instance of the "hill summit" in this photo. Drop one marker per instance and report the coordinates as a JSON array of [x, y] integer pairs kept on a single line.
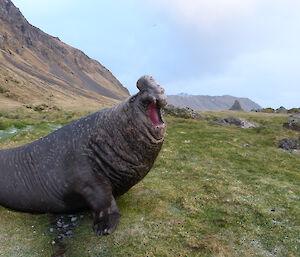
[[37, 68]]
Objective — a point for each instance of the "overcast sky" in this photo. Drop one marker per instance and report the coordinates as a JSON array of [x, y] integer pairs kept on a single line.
[[245, 48]]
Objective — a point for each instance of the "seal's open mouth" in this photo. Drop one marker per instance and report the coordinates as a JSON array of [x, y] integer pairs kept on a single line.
[[154, 114]]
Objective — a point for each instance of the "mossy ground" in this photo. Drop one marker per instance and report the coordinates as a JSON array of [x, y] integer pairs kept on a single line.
[[214, 191]]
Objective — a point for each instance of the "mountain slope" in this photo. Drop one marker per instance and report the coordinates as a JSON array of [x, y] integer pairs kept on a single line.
[[201, 102], [38, 68]]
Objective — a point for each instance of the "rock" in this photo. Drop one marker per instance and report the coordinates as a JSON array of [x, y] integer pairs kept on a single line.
[[238, 122], [186, 112], [294, 110], [294, 125], [73, 219], [297, 151], [236, 106], [288, 144], [281, 109], [69, 233], [63, 224], [296, 116]]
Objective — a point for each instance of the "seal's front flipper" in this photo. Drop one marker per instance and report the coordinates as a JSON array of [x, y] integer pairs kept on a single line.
[[103, 205], [106, 221]]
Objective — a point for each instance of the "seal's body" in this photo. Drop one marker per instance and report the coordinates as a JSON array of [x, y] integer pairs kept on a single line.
[[89, 162]]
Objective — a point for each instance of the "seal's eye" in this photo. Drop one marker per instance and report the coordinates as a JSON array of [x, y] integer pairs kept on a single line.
[[132, 99]]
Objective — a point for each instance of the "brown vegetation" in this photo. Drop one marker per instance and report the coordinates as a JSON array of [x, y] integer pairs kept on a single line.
[[35, 66]]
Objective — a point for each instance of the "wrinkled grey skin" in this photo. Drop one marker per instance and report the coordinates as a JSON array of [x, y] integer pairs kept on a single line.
[[88, 163]]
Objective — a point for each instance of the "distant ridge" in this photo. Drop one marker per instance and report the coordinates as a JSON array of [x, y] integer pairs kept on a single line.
[[38, 68], [183, 94], [204, 102]]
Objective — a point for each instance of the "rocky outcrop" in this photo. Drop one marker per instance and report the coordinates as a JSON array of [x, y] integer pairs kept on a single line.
[[289, 144], [236, 106], [238, 122], [294, 110], [293, 125], [281, 109], [186, 113], [296, 116]]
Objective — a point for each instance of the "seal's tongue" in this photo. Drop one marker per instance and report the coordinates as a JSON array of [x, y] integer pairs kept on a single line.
[[153, 113]]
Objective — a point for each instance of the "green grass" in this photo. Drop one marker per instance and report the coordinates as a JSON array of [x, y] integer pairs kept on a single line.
[[207, 195], [31, 125]]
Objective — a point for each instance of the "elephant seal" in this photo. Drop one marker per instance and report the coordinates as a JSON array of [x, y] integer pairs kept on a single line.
[[88, 163]]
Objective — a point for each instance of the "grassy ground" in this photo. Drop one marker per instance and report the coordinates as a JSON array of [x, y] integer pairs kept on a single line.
[[213, 191]]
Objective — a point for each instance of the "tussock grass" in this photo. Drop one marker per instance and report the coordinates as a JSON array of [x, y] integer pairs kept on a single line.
[[214, 191]]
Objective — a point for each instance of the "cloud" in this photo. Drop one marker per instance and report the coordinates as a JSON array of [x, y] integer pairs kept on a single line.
[[241, 47], [246, 48], [268, 77], [205, 36], [206, 15]]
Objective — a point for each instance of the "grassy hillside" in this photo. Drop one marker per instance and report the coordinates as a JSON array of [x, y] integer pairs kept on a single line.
[[213, 191], [37, 68]]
